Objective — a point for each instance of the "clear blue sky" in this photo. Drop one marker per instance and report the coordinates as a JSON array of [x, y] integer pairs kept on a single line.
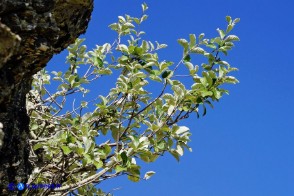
[[244, 146]]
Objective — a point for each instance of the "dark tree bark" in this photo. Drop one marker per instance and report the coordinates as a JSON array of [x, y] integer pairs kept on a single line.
[[31, 31]]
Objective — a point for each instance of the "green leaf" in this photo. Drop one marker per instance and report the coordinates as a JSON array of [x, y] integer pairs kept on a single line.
[[137, 21], [170, 110], [187, 58], [221, 33], [123, 48], [119, 168], [223, 63], [129, 25], [98, 62], [143, 18], [144, 7], [217, 94], [113, 26], [192, 40], [231, 79], [229, 19], [167, 74], [175, 154], [180, 150], [229, 28], [236, 20], [71, 79], [124, 157], [84, 104], [98, 164], [182, 129], [121, 19], [138, 51], [206, 93], [38, 145], [189, 65], [204, 110], [34, 127], [134, 178], [66, 150], [183, 43], [232, 38], [106, 149], [105, 71], [148, 175], [201, 36], [197, 50]]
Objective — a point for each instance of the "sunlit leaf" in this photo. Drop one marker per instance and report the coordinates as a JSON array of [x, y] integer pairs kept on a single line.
[[148, 175]]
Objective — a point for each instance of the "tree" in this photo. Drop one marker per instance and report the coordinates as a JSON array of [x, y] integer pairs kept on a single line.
[[132, 123]]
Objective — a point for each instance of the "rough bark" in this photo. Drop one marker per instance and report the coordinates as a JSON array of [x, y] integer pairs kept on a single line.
[[31, 31]]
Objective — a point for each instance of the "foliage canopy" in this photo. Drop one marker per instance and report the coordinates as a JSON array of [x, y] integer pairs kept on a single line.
[[132, 123]]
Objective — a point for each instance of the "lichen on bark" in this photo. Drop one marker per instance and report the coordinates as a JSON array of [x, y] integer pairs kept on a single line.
[[31, 32]]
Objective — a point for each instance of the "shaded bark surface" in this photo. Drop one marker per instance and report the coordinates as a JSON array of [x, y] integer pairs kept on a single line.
[[31, 31]]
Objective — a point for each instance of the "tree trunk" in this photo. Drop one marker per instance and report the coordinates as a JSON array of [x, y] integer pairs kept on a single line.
[[31, 31]]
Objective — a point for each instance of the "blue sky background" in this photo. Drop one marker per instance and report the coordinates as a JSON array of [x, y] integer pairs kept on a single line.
[[244, 146]]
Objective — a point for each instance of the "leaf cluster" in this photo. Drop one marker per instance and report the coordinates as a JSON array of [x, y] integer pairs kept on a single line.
[[129, 122]]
